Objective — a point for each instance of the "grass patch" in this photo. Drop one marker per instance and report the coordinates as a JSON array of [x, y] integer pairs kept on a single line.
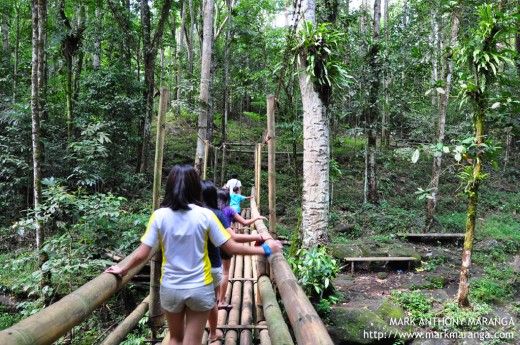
[[502, 228]]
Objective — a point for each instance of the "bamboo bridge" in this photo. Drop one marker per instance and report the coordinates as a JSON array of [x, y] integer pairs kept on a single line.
[[254, 284]]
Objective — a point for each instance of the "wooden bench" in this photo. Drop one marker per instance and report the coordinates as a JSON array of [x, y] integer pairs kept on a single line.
[[379, 258], [432, 235]]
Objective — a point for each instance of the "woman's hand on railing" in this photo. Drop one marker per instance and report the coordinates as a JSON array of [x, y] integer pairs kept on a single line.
[[115, 270], [275, 245]]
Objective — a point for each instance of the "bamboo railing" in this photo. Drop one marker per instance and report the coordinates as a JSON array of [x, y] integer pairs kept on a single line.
[[53, 322]]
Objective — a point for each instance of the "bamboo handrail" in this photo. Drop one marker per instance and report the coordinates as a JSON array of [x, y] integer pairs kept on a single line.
[[306, 324], [56, 320]]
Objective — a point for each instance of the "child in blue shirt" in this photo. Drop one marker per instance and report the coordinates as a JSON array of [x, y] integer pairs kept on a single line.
[[237, 198]]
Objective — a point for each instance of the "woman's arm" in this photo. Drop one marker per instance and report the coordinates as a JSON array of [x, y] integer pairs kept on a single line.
[[246, 222], [139, 257], [232, 247], [244, 238]]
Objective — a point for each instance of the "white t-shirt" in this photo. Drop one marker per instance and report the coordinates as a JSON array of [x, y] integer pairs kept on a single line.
[[232, 183], [183, 237]]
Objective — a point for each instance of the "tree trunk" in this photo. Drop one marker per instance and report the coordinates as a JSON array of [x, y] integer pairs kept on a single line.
[[16, 52], [316, 153], [431, 204], [205, 76], [462, 295], [480, 101], [384, 110], [372, 111], [39, 19], [180, 47], [226, 73], [150, 48]]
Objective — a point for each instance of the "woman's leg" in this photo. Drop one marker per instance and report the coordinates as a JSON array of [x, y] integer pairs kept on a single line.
[[176, 327], [213, 319], [195, 324], [226, 263]]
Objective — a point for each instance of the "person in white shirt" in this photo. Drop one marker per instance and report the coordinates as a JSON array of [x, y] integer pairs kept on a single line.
[[182, 227], [232, 183]]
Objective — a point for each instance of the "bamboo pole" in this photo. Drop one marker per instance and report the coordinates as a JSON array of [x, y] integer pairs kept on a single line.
[[155, 311], [306, 324], [271, 163], [246, 318], [206, 155], [128, 324], [265, 339], [236, 297], [51, 323], [278, 330]]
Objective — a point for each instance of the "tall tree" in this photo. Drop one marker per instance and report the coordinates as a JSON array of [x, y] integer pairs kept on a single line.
[[39, 20], [71, 50], [484, 58], [150, 48], [316, 149], [205, 80], [431, 203], [371, 112]]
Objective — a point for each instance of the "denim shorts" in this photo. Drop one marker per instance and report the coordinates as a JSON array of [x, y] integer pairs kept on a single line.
[[196, 299], [216, 273]]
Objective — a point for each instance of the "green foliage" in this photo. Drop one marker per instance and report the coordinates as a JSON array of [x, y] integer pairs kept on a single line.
[[495, 285], [413, 302], [466, 317], [314, 269], [8, 318], [320, 47]]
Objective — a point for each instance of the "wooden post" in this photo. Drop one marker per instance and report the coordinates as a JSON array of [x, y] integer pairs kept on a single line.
[[271, 163], [206, 155], [223, 165], [258, 173], [215, 165], [156, 314]]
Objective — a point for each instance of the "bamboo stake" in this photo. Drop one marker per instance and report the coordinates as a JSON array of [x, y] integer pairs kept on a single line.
[[258, 173], [51, 323], [271, 163], [155, 311], [128, 324]]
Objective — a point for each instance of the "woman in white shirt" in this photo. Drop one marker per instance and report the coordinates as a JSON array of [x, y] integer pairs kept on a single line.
[[182, 227]]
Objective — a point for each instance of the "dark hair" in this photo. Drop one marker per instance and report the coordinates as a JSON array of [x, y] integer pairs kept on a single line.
[[182, 188], [223, 198], [209, 194], [234, 175], [236, 189]]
